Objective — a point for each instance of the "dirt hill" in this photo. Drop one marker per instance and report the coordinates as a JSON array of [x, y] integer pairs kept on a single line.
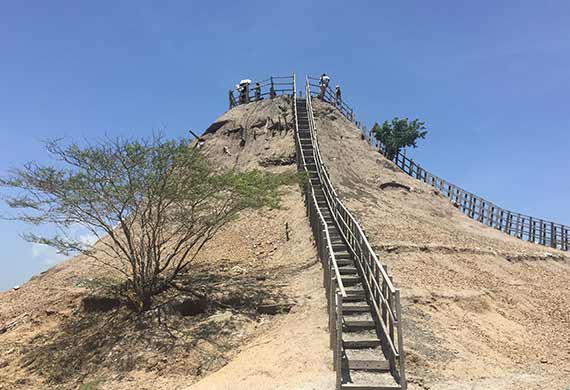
[[481, 310], [55, 334]]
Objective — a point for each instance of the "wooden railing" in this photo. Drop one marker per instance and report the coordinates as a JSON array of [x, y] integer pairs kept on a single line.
[[381, 292], [525, 227], [329, 96], [335, 290], [537, 230], [271, 87]]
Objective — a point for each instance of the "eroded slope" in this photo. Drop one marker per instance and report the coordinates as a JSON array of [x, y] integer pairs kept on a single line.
[[480, 307], [50, 338]]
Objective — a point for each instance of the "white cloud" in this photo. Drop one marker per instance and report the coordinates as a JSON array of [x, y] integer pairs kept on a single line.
[[49, 256], [88, 239], [46, 254]]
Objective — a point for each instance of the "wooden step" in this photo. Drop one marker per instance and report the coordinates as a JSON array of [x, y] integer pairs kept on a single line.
[[338, 246], [352, 386], [342, 255], [347, 270], [364, 343], [368, 359], [369, 380], [360, 339], [349, 280], [354, 325], [368, 365], [354, 298], [361, 307], [358, 317], [355, 290]]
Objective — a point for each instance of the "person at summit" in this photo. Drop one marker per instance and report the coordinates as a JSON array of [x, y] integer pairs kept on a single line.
[[323, 84]]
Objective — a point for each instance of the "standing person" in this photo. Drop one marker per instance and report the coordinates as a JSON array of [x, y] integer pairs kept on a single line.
[[323, 84], [243, 89], [337, 97], [257, 91], [272, 93], [240, 90], [232, 99], [246, 83]]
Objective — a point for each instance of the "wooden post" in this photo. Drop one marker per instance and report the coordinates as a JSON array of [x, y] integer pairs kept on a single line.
[[531, 230], [501, 221], [481, 210], [553, 235], [391, 323], [565, 230], [338, 345], [332, 312], [325, 253], [403, 383], [376, 292], [382, 303], [472, 201]]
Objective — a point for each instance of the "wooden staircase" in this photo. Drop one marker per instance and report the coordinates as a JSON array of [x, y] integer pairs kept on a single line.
[[363, 363]]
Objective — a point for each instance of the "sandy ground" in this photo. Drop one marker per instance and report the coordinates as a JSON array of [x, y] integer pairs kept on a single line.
[[248, 259], [293, 355], [481, 310]]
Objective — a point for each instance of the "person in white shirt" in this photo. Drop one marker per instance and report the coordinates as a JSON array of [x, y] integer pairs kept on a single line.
[[323, 84]]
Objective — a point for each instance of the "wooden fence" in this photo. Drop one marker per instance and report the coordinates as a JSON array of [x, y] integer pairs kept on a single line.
[[536, 230], [525, 227], [269, 88]]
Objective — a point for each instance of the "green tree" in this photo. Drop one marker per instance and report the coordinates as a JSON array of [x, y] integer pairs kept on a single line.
[[398, 134], [151, 204]]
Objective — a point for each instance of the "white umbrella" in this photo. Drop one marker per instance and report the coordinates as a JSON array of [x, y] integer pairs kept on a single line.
[[246, 81]]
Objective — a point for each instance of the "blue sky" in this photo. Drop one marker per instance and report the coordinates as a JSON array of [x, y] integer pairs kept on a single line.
[[491, 79]]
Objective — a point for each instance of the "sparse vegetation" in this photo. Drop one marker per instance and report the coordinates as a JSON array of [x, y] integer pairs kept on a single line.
[[398, 134], [151, 204]]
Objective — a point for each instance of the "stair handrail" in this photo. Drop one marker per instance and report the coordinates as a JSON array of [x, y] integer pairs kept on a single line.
[[389, 305], [337, 202], [309, 185], [334, 287]]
